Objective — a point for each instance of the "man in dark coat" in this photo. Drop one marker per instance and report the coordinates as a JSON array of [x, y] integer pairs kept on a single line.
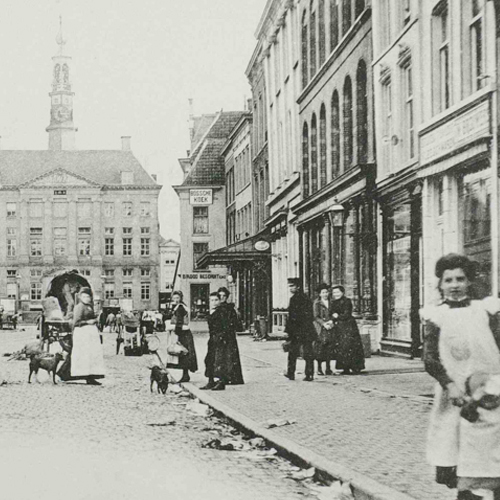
[[300, 330]]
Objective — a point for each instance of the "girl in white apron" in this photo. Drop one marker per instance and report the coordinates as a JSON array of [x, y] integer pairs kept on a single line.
[[458, 343]]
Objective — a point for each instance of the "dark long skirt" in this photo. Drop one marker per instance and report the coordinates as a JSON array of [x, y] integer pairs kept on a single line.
[[348, 346], [324, 346], [189, 361], [223, 360]]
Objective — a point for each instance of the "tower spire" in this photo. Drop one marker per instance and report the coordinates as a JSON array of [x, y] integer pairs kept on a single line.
[[61, 128]]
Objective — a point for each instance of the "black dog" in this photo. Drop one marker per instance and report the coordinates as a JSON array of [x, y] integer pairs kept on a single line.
[[46, 362], [160, 376]]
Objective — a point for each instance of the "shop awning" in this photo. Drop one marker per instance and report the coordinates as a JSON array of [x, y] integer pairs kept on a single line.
[[254, 249]]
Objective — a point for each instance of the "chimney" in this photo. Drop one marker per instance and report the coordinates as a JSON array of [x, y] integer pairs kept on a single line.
[[249, 104], [191, 120], [126, 143], [188, 153]]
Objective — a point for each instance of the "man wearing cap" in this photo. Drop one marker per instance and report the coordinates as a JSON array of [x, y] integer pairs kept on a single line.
[[300, 330]]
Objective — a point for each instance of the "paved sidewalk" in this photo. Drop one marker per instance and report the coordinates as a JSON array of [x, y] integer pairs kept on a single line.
[[374, 424]]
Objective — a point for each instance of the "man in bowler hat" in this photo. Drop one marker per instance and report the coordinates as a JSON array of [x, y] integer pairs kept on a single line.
[[300, 330]]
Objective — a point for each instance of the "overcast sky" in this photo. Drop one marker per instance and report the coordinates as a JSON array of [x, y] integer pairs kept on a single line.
[[135, 65]]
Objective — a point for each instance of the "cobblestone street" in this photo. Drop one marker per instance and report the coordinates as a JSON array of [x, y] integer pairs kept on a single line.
[[119, 441]]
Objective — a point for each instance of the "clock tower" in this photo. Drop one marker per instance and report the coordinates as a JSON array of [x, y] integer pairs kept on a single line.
[[61, 129]]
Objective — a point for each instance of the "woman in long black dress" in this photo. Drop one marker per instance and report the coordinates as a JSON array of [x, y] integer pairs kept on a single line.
[[324, 348], [180, 324], [348, 345]]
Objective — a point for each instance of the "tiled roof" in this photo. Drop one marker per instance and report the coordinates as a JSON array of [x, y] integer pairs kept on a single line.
[[207, 162], [101, 167], [201, 125]]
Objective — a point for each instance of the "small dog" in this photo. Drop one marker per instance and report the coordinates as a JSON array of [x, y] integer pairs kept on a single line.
[[46, 362], [160, 376]]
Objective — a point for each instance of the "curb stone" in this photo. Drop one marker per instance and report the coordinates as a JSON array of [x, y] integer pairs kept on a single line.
[[364, 488]]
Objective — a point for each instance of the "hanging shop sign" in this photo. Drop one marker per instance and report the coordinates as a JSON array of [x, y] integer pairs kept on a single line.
[[262, 245], [200, 197]]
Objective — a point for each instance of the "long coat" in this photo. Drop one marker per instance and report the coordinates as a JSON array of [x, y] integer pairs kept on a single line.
[[348, 345], [324, 347], [300, 323], [180, 318], [223, 357]]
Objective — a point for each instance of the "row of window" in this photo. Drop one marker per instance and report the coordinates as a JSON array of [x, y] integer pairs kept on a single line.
[[85, 208], [109, 291], [472, 52], [315, 161], [316, 28], [110, 273], [60, 246]]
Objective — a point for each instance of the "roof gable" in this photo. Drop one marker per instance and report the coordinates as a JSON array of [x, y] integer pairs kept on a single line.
[[60, 177]]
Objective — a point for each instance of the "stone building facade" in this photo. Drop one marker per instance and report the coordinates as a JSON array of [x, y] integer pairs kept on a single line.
[[62, 209], [169, 259], [202, 199], [336, 218]]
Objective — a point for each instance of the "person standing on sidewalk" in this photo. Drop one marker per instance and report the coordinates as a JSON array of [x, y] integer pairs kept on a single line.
[[348, 345], [300, 330], [324, 346], [461, 339], [180, 324]]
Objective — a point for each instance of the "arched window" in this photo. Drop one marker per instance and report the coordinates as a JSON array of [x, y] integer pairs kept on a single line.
[[347, 123], [314, 154], [334, 24], [362, 112], [335, 135], [321, 32], [305, 160], [346, 16], [322, 146], [359, 7], [312, 42], [305, 51]]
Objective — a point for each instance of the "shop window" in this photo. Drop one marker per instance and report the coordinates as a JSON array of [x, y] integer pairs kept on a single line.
[[305, 160], [334, 24], [335, 131], [441, 57], [199, 301], [314, 155], [312, 42], [348, 126], [321, 32], [305, 51], [362, 112], [198, 250], [200, 220]]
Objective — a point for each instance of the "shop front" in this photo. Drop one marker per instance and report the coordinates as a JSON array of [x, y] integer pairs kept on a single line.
[[249, 278], [401, 276], [459, 194]]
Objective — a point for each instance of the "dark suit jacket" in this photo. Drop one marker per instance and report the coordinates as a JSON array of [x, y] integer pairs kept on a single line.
[[300, 323]]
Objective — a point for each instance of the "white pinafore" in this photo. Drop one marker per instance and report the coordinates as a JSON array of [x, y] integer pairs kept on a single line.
[[466, 346]]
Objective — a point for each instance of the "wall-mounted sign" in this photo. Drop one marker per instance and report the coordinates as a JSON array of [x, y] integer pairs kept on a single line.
[[200, 196], [465, 128], [202, 276], [262, 245]]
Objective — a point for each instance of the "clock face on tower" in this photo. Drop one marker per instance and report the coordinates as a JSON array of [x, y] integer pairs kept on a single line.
[[62, 113]]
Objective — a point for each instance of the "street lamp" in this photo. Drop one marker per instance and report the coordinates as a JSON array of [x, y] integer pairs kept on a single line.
[[337, 211]]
